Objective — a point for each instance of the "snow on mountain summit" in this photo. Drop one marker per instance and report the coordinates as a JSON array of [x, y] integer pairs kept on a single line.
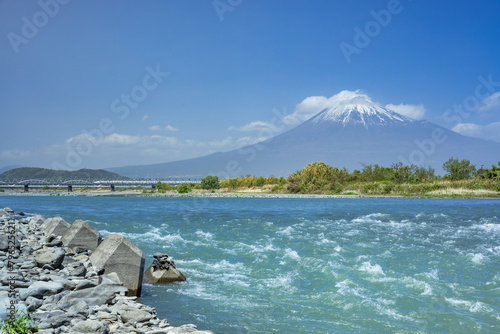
[[360, 110]]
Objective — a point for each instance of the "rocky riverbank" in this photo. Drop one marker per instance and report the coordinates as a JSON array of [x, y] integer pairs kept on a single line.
[[193, 194], [61, 288]]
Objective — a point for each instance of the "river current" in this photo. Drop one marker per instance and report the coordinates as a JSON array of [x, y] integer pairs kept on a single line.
[[309, 265]]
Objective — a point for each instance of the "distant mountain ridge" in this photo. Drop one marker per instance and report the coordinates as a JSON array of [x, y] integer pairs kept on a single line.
[[351, 132], [26, 173], [6, 168]]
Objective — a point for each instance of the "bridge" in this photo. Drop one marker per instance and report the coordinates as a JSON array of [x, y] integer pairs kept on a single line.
[[70, 184]]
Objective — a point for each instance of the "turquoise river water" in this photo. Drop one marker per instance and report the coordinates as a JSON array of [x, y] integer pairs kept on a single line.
[[309, 265]]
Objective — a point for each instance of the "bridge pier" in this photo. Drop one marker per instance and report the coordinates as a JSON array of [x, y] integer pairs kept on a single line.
[[70, 188], [112, 187], [26, 188]]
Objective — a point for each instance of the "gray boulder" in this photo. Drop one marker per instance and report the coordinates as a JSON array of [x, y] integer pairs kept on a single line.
[[4, 242], [85, 284], [51, 256], [41, 289], [100, 295], [90, 326], [133, 316], [163, 270], [5, 245], [5, 306]]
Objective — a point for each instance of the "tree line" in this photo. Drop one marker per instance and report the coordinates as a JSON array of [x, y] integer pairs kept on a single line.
[[319, 177]]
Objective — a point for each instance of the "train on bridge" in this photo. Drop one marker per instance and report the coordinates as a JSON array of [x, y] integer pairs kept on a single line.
[[70, 184]]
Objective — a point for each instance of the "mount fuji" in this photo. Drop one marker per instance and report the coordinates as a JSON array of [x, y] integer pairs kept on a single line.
[[351, 132]]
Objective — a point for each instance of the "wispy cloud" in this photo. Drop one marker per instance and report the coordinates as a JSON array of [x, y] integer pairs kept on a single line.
[[490, 104], [410, 110], [256, 126], [489, 132], [14, 154], [145, 117], [163, 128]]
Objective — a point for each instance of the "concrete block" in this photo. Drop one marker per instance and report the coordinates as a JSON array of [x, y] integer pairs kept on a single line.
[[81, 234], [57, 226], [117, 254]]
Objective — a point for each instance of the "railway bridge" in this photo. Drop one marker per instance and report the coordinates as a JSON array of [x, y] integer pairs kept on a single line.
[[26, 184]]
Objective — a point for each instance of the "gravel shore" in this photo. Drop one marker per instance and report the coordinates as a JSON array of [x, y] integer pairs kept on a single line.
[[193, 194], [61, 288]]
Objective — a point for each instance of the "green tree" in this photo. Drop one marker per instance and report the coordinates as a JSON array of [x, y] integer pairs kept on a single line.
[[210, 182], [183, 188], [260, 181], [459, 169], [493, 173]]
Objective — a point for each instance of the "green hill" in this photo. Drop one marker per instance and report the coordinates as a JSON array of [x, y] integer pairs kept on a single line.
[[44, 173]]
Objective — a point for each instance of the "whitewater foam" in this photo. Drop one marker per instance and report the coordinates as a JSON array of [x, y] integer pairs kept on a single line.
[[286, 231], [473, 307], [290, 253], [372, 269]]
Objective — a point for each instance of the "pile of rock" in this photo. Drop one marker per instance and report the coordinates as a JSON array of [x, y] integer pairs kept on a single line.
[[163, 270], [71, 282]]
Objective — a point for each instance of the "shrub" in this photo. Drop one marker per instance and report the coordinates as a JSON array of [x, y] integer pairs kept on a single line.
[[163, 187], [183, 188], [388, 188], [316, 177], [260, 181], [210, 182]]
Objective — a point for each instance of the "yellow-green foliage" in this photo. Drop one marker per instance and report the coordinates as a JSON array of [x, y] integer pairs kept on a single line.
[[398, 179], [163, 187], [317, 177], [433, 187], [249, 181]]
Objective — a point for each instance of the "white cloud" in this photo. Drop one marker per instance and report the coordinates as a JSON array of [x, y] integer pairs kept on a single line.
[[257, 126], [118, 141], [412, 111], [145, 117], [245, 141], [488, 132], [312, 105], [489, 104], [14, 154], [163, 128], [170, 128]]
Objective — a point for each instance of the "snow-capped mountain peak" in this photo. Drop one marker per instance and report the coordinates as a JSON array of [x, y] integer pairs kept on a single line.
[[362, 112]]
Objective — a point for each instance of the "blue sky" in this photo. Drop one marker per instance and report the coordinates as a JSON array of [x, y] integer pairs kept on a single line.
[[100, 84]]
